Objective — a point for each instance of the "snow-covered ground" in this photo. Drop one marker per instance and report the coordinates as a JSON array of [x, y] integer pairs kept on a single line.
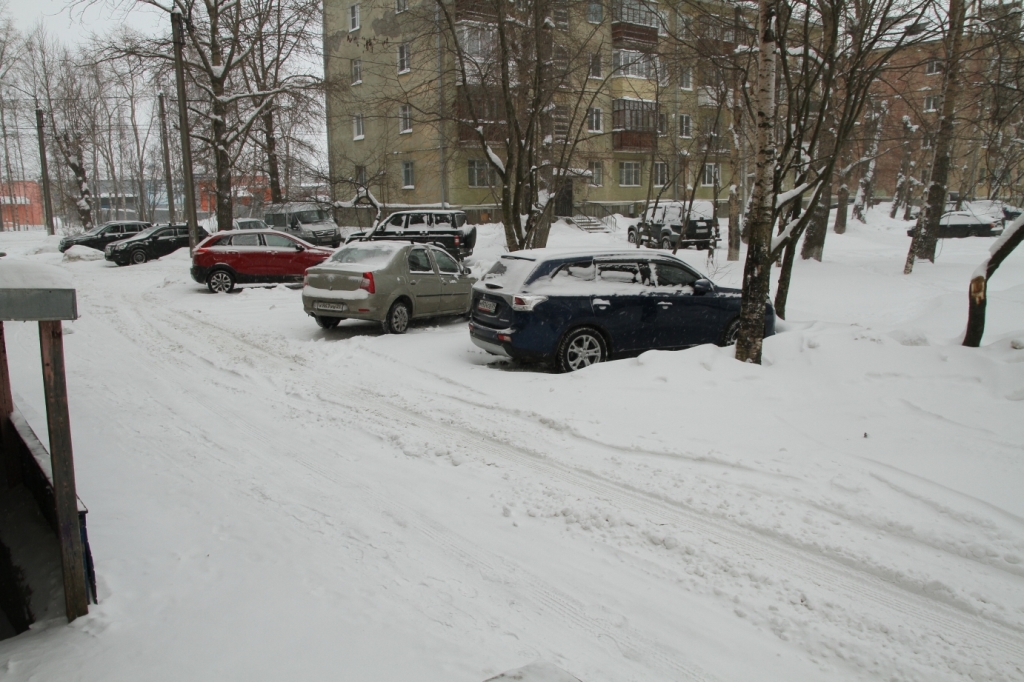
[[272, 501]]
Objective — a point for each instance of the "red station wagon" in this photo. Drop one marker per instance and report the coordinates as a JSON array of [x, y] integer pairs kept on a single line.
[[253, 257]]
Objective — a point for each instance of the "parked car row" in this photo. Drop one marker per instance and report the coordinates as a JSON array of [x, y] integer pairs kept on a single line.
[[662, 226], [981, 218]]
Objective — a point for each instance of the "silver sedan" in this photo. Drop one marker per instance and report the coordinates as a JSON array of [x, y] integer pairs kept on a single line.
[[388, 282]]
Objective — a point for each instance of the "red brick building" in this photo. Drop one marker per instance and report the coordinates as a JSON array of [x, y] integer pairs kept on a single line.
[[21, 205]]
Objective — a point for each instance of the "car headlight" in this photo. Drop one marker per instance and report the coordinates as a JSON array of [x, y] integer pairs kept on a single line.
[[120, 247]]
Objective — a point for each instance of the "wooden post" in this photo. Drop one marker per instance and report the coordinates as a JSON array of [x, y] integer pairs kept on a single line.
[[10, 465], [51, 346]]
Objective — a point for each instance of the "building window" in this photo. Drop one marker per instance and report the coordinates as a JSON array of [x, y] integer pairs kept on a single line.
[[353, 18], [405, 119], [686, 78], [560, 13], [684, 26], [596, 173], [357, 71], [361, 175], [481, 174], [595, 66], [408, 180], [663, 124], [403, 58], [595, 12], [594, 122], [685, 126], [931, 103], [357, 127], [634, 114], [932, 67], [629, 174], [633, 64], [660, 173], [560, 123], [401, 6], [710, 176]]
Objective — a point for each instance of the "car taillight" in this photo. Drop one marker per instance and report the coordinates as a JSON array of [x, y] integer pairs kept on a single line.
[[200, 252], [526, 303], [367, 283], [456, 240]]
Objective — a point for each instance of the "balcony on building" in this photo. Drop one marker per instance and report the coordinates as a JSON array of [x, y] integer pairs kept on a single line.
[[484, 111], [634, 25], [471, 10], [634, 125]]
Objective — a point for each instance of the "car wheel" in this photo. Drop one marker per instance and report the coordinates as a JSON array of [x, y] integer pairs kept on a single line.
[[138, 257], [326, 322], [581, 348], [397, 321], [731, 331], [666, 243], [220, 282], [631, 238]]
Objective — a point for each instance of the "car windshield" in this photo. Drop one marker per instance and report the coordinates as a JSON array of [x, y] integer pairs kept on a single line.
[[368, 255], [313, 216], [148, 231], [508, 273]]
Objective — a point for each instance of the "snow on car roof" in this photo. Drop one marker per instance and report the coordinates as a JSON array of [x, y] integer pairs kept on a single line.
[[595, 251]]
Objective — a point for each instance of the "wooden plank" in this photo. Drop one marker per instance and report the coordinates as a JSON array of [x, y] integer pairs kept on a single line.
[[11, 471], [51, 346]]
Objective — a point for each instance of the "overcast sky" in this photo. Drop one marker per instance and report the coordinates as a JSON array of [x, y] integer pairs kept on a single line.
[[72, 25]]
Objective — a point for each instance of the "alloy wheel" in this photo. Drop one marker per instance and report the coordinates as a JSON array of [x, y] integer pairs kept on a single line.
[[583, 351]]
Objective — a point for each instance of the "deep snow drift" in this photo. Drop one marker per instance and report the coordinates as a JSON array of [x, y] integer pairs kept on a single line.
[[270, 501]]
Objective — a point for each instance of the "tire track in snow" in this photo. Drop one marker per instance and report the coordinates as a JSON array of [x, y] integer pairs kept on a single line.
[[934, 620], [548, 598]]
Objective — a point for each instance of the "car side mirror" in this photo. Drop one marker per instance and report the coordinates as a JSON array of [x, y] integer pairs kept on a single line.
[[299, 247], [703, 286]]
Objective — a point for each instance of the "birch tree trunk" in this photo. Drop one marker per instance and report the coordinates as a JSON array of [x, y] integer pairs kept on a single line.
[[759, 219]]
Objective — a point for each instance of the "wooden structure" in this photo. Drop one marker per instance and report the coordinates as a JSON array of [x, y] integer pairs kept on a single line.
[[44, 294]]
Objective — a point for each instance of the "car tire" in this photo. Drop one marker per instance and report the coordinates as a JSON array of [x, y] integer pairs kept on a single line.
[[729, 334], [138, 257], [631, 237], [220, 282], [397, 320], [666, 243], [327, 322], [580, 348]]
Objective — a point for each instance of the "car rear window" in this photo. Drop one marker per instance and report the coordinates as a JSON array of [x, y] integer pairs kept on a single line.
[[369, 255], [508, 273]]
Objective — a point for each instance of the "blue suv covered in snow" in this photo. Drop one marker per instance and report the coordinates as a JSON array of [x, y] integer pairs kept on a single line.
[[575, 308]]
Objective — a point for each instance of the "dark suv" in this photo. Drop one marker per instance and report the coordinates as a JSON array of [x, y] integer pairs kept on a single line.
[[155, 242], [99, 237], [578, 308]]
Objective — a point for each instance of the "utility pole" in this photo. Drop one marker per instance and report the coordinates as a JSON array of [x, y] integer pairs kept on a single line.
[[167, 160], [47, 204], [186, 141]]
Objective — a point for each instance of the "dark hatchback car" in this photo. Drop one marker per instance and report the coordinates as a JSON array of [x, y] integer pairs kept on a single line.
[[577, 308], [149, 244], [253, 257], [99, 237]]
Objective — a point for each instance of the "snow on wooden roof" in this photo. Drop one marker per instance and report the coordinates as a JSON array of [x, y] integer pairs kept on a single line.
[[34, 291]]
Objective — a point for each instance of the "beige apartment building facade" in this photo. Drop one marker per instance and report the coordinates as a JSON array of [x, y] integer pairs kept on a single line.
[[659, 125]]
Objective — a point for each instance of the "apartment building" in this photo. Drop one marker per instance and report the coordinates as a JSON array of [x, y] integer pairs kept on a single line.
[[656, 120], [987, 157]]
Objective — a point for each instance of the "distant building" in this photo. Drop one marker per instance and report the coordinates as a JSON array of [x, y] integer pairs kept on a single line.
[[21, 204]]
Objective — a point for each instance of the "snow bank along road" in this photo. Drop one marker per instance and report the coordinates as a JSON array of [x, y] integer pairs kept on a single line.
[[272, 501]]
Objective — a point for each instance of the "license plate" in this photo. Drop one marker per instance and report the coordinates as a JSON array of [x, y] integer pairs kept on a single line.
[[487, 306], [336, 307]]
